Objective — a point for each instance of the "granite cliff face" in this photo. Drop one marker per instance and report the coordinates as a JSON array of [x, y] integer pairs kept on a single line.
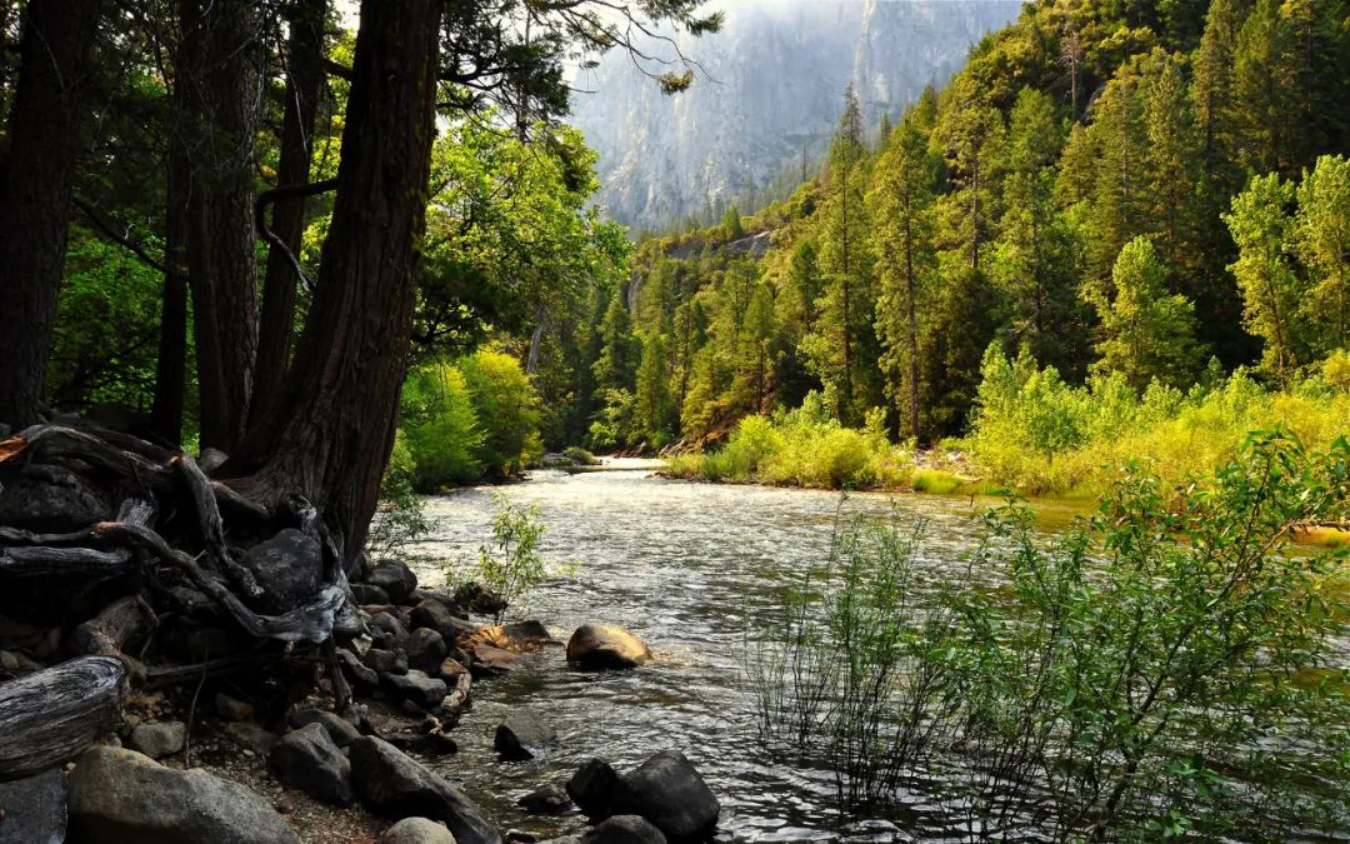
[[770, 92]]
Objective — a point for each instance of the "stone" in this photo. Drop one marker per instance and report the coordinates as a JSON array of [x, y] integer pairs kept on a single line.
[[592, 788], [307, 759], [668, 791], [386, 662], [392, 783], [288, 567], [232, 709], [252, 736], [875, 831], [548, 799], [478, 599], [417, 688], [360, 674], [624, 829], [437, 615], [601, 646], [518, 637], [34, 810], [396, 579], [387, 631], [488, 660], [52, 500], [119, 796], [339, 729], [159, 740], [420, 595], [524, 735], [416, 831], [192, 601], [367, 595], [425, 649], [211, 459]]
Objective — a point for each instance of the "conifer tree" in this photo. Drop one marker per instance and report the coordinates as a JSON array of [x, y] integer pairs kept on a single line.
[[616, 367], [1322, 239], [653, 391], [1174, 162], [1217, 108]]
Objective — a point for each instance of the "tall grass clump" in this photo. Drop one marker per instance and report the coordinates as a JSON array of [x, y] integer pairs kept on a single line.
[[1041, 435], [1164, 670]]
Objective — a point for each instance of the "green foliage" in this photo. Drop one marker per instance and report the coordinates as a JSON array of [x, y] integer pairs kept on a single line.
[[507, 408], [440, 428], [401, 518], [511, 566], [1322, 238]]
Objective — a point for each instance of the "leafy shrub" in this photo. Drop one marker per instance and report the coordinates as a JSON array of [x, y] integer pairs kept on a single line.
[[507, 408], [581, 456], [510, 567], [441, 429], [401, 518]]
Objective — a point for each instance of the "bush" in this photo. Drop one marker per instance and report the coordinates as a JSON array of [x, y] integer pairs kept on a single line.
[[507, 408], [441, 429], [510, 567], [401, 518]]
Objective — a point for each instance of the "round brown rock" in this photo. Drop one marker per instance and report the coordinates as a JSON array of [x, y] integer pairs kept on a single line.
[[602, 646]]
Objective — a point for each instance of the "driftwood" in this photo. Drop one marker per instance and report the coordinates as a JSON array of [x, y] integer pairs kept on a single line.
[[26, 554], [51, 716], [109, 632]]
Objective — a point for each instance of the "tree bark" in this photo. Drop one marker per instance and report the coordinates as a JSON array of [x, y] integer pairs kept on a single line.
[[218, 69], [38, 177], [304, 86], [166, 415], [330, 435]]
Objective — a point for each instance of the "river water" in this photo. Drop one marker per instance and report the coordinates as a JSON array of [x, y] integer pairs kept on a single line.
[[689, 568]]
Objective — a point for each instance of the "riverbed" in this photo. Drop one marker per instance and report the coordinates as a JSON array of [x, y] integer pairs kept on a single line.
[[690, 568]]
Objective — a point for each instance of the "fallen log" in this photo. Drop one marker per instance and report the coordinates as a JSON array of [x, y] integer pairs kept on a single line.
[[109, 632], [51, 716]]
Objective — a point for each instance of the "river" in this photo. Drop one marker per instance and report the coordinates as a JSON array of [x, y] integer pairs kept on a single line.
[[689, 568]]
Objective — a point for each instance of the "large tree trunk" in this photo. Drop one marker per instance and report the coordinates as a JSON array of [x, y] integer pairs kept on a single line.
[[218, 69], [329, 436], [35, 195], [304, 86], [166, 416]]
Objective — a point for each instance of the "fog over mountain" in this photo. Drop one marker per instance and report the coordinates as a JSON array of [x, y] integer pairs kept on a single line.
[[771, 86]]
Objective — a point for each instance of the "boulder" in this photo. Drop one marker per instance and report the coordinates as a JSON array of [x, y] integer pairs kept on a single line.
[[488, 661], [425, 649], [386, 662], [397, 580], [394, 784], [592, 788], [546, 800], [307, 759], [387, 631], [360, 674], [519, 637], [52, 500], [601, 646], [159, 740], [33, 810], [524, 735], [118, 796], [624, 829], [416, 831], [669, 792], [416, 687], [437, 615], [288, 567], [368, 595], [339, 729]]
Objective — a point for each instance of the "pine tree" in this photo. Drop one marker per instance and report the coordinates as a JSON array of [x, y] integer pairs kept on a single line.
[[1119, 200], [1174, 162], [616, 367], [1266, 80], [731, 224], [653, 391], [1271, 290], [1322, 234], [1146, 334], [1217, 108]]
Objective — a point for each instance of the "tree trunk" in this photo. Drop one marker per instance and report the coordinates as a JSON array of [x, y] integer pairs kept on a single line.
[[218, 68], [330, 434], [166, 415], [304, 86], [44, 136]]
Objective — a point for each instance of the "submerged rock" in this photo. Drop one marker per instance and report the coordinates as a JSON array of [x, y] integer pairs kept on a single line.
[[624, 829], [524, 735], [518, 637], [602, 646], [118, 796], [546, 800], [308, 760], [668, 791], [395, 784]]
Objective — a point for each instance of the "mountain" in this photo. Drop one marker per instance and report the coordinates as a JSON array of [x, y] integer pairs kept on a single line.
[[767, 95]]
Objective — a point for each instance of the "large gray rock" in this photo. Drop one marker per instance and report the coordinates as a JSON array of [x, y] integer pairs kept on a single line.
[[425, 649], [624, 829], [360, 674], [387, 631], [669, 792], [34, 809], [548, 799], [397, 580], [386, 662], [119, 796], [159, 740], [395, 784], [437, 615], [592, 788], [288, 567], [524, 735], [417, 687], [416, 831], [308, 760], [339, 729], [602, 646], [52, 500]]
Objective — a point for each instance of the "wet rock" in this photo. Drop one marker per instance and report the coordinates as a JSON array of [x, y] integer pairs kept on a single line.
[[475, 598], [34, 809], [118, 796], [368, 595], [624, 829], [425, 649], [546, 800], [232, 709], [252, 736], [488, 661], [669, 792], [386, 662], [519, 637], [417, 688], [308, 760], [52, 500], [592, 788], [438, 616], [394, 784], [420, 595], [601, 646], [360, 674], [524, 735], [396, 579], [339, 729], [159, 740], [416, 831], [387, 631]]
